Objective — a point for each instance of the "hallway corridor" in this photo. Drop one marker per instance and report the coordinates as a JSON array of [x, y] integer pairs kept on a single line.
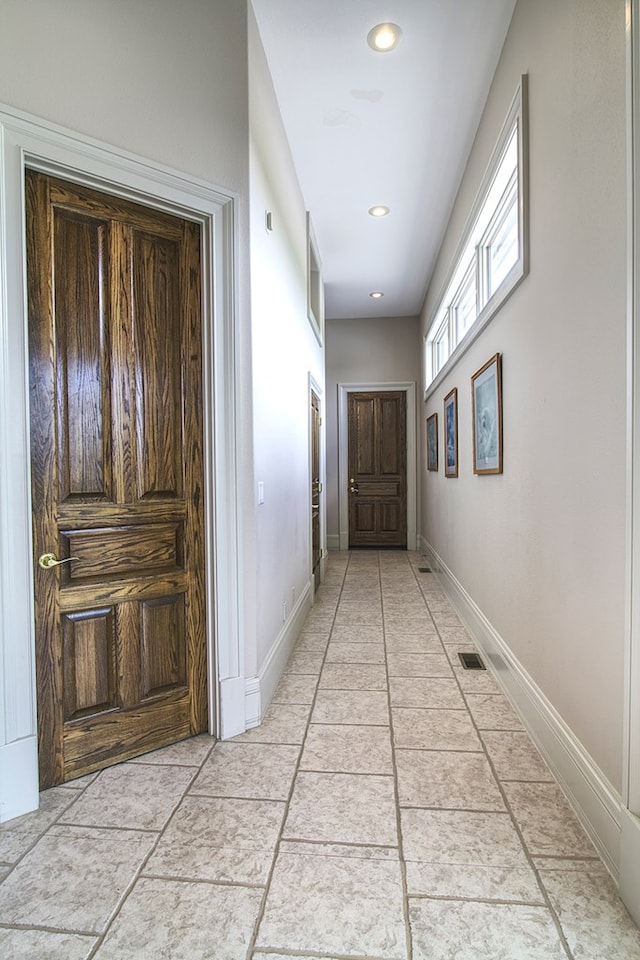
[[390, 807]]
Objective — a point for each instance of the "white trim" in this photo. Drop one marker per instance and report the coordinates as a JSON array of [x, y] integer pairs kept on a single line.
[[259, 690], [30, 141], [333, 541], [344, 389], [630, 840], [593, 798]]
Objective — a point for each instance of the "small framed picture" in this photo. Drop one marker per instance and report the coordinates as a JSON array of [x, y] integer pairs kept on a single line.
[[451, 433], [432, 442], [486, 399]]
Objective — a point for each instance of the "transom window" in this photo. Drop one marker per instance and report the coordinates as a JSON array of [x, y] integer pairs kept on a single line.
[[493, 256]]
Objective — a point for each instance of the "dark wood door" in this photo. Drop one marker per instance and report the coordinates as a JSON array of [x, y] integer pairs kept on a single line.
[[117, 476], [316, 489], [377, 469]]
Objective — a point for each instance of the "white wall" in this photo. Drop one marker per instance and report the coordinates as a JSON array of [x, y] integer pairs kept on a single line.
[[364, 351], [168, 83], [285, 353], [541, 548]]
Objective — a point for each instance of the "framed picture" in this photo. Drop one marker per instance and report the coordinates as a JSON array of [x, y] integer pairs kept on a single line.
[[486, 398], [432, 442], [451, 433]]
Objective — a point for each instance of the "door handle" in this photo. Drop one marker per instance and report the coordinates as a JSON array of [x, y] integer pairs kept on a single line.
[[49, 560], [353, 486], [315, 506]]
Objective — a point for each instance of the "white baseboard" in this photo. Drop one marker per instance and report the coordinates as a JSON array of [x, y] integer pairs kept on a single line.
[[630, 864], [594, 799], [333, 541], [259, 690], [18, 778]]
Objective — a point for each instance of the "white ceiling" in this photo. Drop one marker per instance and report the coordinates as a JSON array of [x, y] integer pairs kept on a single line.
[[371, 128]]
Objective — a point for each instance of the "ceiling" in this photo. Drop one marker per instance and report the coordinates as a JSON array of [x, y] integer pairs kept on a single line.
[[391, 128]]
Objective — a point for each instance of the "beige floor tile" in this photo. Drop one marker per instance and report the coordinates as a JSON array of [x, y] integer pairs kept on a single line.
[[362, 633], [514, 756], [398, 642], [447, 780], [73, 878], [259, 771], [16, 836], [548, 824], [468, 855], [186, 753], [347, 749], [335, 905], [342, 652], [593, 918], [483, 931], [354, 676], [183, 921], [361, 707], [219, 839], [342, 808], [418, 665], [421, 623], [357, 613], [136, 796], [312, 642], [283, 723], [492, 712], [425, 693], [43, 945], [305, 662], [434, 730], [295, 689]]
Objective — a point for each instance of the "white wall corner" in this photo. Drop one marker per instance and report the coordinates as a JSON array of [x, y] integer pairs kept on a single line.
[[630, 863], [260, 690], [593, 798], [18, 778], [333, 541]]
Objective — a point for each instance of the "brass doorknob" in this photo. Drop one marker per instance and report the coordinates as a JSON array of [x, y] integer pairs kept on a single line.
[[353, 486], [48, 560]]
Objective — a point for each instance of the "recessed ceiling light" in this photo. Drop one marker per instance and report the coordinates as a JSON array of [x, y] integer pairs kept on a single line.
[[376, 294], [378, 211], [384, 37]]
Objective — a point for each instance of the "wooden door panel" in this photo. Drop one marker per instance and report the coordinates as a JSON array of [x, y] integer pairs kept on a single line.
[[119, 551], [158, 386], [164, 650], [89, 659], [364, 451], [117, 476], [82, 354], [377, 465]]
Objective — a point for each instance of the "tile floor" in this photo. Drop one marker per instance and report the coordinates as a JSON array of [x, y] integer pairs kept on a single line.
[[390, 807]]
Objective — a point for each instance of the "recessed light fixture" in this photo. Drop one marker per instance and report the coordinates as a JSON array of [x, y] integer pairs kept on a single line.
[[384, 37], [378, 211], [376, 295]]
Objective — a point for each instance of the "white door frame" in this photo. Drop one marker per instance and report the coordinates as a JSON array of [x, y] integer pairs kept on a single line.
[[344, 389], [630, 819], [314, 387], [27, 141]]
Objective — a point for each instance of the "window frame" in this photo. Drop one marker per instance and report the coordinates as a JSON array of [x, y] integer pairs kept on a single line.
[[487, 302]]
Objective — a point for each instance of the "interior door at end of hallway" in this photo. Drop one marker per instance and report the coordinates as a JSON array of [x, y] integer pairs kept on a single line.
[[117, 472], [377, 438]]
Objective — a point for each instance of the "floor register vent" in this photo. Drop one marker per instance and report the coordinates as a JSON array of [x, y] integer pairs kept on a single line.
[[471, 661], [424, 569]]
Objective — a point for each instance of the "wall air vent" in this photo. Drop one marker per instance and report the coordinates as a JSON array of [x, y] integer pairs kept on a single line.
[[471, 661]]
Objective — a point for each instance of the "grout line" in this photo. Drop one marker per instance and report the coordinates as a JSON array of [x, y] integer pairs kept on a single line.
[[403, 865], [256, 926]]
